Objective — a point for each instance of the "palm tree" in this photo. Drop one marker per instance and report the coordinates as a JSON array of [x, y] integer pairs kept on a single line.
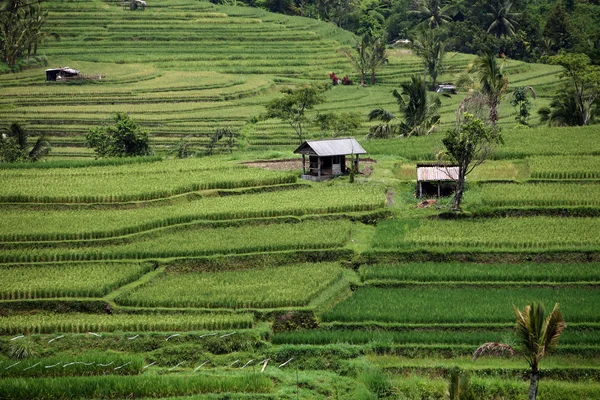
[[419, 111], [369, 54], [492, 80], [377, 56], [359, 57], [504, 21], [386, 128], [435, 12], [563, 111], [14, 145], [34, 27], [430, 46], [536, 334]]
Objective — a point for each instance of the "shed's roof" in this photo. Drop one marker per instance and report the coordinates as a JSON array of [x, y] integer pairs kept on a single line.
[[64, 69], [331, 147], [437, 173]]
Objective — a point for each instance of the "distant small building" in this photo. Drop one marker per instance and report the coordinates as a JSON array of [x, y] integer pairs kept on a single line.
[[436, 179], [445, 88], [327, 158], [56, 74]]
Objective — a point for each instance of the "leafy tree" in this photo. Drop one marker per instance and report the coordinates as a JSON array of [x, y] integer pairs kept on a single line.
[[536, 335], [563, 111], [344, 124], [493, 82], [292, 107], [226, 134], [123, 139], [469, 145], [435, 13], [504, 20], [583, 84], [557, 28], [14, 146], [520, 101], [430, 46]]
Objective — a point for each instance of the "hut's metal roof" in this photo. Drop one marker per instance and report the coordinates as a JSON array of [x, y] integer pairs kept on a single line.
[[437, 173], [331, 147], [64, 69]]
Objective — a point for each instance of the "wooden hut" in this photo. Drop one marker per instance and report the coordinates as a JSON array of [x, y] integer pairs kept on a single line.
[[436, 179], [327, 158], [55, 74]]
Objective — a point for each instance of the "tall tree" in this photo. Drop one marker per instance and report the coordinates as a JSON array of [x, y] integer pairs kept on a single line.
[[504, 21], [292, 107], [583, 83], [521, 103], [368, 55], [429, 45], [557, 29], [493, 82], [14, 145], [536, 334], [469, 144], [434, 13]]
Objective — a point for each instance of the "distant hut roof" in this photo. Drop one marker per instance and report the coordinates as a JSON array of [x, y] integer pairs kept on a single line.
[[331, 147], [436, 173], [63, 69]]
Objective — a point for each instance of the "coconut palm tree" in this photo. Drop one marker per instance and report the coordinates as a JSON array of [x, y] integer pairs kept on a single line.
[[536, 334], [359, 57], [430, 46], [377, 56], [435, 13], [419, 110], [493, 82], [504, 20], [14, 146]]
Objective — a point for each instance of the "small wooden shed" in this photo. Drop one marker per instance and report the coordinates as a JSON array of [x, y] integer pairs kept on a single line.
[[54, 74], [436, 179], [327, 158]]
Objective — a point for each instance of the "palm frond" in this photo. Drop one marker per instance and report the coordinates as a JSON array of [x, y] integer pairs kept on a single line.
[[554, 324], [379, 114], [494, 349], [40, 149]]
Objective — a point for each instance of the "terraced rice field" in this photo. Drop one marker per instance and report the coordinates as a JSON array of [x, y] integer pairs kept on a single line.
[[183, 71], [206, 278]]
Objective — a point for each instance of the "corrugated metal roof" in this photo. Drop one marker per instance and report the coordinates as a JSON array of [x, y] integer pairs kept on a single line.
[[331, 147], [64, 69], [435, 173]]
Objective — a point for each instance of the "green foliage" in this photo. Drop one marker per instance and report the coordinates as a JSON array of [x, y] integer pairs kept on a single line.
[[339, 125], [124, 139], [22, 348], [292, 107], [469, 145], [459, 386], [503, 20], [521, 103], [431, 47], [541, 194], [376, 381], [14, 146], [578, 104]]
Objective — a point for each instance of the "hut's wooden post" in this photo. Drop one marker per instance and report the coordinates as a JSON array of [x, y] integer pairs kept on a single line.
[[439, 190], [320, 163], [303, 164], [356, 166]]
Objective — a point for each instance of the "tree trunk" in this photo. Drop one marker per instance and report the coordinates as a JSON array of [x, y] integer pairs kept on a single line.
[[372, 77], [460, 189], [533, 385]]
